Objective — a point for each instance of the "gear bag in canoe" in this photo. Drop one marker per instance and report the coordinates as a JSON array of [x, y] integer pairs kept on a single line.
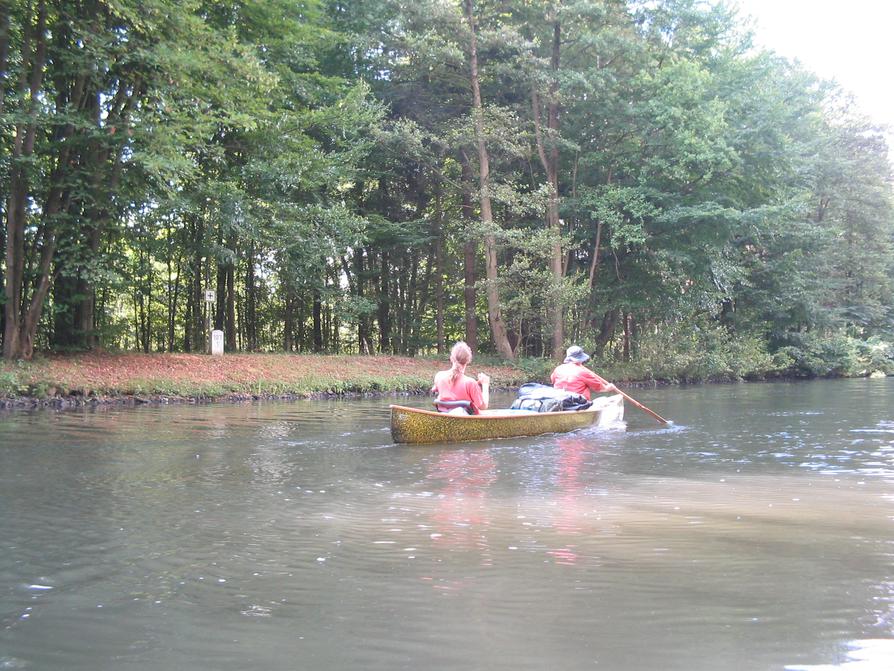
[[544, 398]]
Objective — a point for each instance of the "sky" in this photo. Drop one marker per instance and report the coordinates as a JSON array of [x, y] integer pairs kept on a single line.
[[850, 41]]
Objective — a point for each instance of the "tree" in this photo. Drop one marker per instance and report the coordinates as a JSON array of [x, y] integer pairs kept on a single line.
[[350, 176], [498, 327]]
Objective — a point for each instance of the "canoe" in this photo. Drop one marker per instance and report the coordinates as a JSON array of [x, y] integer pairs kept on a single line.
[[414, 425]]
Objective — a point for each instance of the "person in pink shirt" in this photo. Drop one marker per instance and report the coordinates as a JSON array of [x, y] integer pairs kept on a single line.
[[571, 375], [455, 385]]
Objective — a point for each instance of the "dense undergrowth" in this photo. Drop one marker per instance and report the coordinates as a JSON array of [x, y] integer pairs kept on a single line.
[[711, 355]]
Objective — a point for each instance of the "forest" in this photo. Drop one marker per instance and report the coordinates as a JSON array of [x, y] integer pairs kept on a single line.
[[389, 176]]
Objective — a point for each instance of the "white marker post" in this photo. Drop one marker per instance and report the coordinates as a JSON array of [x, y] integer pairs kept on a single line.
[[217, 343], [210, 297]]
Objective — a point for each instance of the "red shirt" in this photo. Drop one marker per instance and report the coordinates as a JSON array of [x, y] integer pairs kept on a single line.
[[575, 378], [464, 389]]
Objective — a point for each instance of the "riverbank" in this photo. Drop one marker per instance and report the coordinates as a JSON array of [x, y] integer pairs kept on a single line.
[[94, 378], [128, 378]]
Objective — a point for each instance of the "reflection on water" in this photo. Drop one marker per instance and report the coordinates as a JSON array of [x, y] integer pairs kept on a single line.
[[757, 532], [872, 655], [461, 517]]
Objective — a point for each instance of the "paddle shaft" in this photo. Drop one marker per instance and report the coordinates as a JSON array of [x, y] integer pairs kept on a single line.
[[642, 407]]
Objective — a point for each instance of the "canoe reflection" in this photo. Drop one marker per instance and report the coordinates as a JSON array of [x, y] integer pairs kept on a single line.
[[466, 517], [570, 499], [462, 515]]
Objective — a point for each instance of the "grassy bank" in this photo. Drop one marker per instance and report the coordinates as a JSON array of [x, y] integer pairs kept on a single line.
[[91, 377], [109, 377]]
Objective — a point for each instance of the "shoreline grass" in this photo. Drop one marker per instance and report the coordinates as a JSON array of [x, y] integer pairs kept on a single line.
[[103, 377], [107, 378]]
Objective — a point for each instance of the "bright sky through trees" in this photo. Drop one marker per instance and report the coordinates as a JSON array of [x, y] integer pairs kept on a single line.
[[850, 42]]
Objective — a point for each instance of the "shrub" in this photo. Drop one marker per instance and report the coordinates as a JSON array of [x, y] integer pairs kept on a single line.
[[9, 384], [534, 369], [818, 355], [877, 355], [702, 352]]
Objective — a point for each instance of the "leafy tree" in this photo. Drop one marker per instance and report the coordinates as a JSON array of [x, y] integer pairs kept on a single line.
[[379, 175]]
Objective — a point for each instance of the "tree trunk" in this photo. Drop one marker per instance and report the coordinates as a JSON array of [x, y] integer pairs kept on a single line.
[[197, 316], [368, 285], [470, 253], [85, 305], [2, 285], [187, 330], [64, 291], [288, 343], [497, 325], [4, 56], [606, 331], [173, 300], [318, 322], [86, 309], [251, 302], [220, 294], [438, 263], [550, 162], [137, 316], [418, 298], [147, 338], [594, 262], [399, 287], [364, 344], [230, 324], [384, 307], [20, 325]]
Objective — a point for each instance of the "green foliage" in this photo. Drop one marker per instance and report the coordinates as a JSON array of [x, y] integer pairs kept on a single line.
[[9, 384], [878, 355], [699, 353], [723, 214], [535, 369], [835, 355]]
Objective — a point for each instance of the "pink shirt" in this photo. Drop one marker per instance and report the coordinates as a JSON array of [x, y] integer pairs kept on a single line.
[[464, 389], [575, 378]]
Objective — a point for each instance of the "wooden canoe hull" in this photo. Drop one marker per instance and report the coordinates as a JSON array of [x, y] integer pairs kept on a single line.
[[414, 425]]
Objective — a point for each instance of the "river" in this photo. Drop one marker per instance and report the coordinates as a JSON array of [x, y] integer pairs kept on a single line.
[[756, 533]]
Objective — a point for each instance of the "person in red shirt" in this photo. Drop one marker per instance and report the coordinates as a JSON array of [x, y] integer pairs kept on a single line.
[[571, 375], [455, 385]]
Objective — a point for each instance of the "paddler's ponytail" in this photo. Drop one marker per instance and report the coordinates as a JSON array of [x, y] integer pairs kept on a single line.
[[460, 356]]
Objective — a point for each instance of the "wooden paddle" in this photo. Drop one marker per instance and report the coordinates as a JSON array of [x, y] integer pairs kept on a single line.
[[642, 407]]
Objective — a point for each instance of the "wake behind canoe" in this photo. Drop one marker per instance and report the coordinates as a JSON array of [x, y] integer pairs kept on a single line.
[[414, 425]]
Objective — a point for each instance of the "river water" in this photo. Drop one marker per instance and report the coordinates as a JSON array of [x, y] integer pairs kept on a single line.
[[757, 532]]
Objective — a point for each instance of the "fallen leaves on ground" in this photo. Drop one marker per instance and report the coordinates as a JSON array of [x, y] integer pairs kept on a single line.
[[126, 373]]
